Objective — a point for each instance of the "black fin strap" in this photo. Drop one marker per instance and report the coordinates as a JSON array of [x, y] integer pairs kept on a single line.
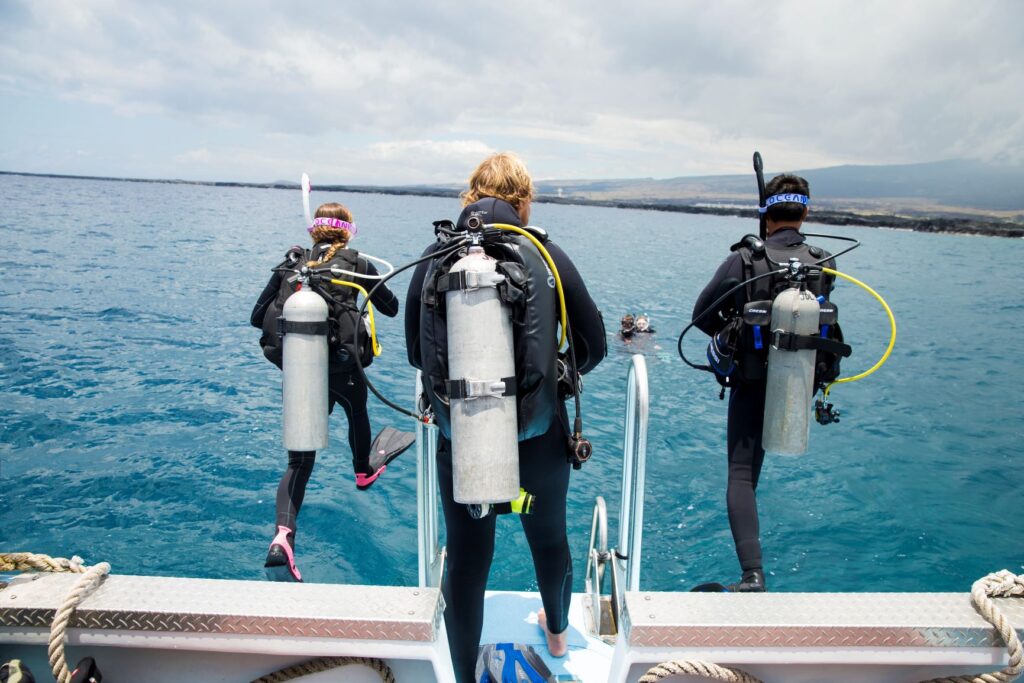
[[285, 326], [463, 388], [797, 342]]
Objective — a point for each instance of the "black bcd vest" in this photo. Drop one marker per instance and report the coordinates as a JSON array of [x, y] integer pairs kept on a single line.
[[342, 310], [752, 354], [530, 291]]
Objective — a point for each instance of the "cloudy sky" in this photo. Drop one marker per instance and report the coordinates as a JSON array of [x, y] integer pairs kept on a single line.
[[418, 92]]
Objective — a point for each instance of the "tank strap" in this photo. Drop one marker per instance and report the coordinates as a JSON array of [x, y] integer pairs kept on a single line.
[[798, 342], [467, 280], [285, 326], [475, 388]]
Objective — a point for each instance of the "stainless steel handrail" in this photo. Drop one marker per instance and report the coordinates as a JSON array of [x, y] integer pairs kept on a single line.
[[634, 471], [429, 550], [597, 557]]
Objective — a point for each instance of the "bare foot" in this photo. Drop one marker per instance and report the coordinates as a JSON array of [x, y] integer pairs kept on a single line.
[[558, 643]]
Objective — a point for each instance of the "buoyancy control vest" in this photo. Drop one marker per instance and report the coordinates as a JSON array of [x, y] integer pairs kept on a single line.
[[343, 311], [530, 291], [752, 353]]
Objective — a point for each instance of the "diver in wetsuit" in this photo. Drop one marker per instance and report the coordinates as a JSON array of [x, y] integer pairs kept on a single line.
[[747, 381], [500, 190], [331, 232]]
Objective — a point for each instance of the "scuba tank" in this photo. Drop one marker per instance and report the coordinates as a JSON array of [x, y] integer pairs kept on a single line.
[[303, 326], [790, 381], [482, 388]]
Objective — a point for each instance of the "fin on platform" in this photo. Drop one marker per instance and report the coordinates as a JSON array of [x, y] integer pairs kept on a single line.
[[511, 663]]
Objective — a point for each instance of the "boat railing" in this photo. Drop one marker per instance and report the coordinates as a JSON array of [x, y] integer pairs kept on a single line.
[[634, 472], [625, 558], [430, 552]]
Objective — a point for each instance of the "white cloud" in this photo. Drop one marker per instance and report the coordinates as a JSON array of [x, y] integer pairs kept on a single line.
[[582, 87]]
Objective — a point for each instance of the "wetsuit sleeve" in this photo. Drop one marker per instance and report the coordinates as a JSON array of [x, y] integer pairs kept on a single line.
[[585, 321], [412, 311], [731, 273], [384, 300], [259, 311]]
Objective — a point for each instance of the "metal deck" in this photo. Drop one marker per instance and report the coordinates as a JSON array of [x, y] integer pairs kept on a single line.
[[169, 622]]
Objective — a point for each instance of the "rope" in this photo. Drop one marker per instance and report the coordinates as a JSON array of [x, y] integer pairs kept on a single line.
[[11, 562], [326, 664], [1001, 584], [708, 670], [88, 581]]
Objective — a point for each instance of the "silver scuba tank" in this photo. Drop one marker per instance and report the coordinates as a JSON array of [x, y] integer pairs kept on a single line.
[[481, 388], [304, 371], [790, 382]]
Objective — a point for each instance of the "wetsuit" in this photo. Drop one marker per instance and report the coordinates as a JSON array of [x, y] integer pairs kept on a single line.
[[344, 388], [543, 470], [746, 406]]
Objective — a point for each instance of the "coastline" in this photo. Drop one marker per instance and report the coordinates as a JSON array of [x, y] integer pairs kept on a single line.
[[943, 224]]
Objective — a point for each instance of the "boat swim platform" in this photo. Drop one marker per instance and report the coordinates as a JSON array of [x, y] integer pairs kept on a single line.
[[154, 629]]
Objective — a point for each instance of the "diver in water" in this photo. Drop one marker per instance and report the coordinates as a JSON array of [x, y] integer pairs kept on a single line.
[[331, 232], [746, 379], [500, 191], [627, 326], [643, 324]]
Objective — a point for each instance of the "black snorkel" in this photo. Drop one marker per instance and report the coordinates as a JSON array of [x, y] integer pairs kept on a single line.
[[759, 172]]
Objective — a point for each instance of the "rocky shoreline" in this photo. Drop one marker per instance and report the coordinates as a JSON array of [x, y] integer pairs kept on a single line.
[[947, 224]]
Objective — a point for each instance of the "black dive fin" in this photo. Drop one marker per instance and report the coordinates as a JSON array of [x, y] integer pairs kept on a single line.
[[388, 445], [713, 587]]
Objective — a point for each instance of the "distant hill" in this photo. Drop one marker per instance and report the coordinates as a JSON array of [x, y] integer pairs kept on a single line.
[[944, 186]]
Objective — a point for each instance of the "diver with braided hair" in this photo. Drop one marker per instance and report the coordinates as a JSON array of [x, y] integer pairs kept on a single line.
[[331, 232]]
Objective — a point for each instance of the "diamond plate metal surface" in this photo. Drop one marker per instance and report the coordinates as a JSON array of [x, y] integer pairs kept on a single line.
[[143, 603], [812, 620]]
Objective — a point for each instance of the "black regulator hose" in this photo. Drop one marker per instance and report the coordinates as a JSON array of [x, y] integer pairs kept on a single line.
[[362, 309], [713, 306]]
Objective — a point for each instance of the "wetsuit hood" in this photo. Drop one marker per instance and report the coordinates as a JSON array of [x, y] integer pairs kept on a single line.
[[491, 210], [785, 237]]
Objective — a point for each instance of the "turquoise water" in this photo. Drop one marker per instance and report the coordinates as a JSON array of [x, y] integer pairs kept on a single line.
[[141, 423]]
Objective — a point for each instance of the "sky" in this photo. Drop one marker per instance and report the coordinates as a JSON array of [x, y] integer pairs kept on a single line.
[[408, 92]]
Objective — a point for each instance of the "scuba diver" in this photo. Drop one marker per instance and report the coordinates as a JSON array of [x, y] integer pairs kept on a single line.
[[739, 356], [544, 447], [331, 231], [643, 324], [627, 326]]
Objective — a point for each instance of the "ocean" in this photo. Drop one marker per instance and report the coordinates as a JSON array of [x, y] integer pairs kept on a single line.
[[141, 424]]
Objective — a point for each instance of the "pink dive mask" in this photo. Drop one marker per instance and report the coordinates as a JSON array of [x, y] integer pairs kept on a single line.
[[334, 223]]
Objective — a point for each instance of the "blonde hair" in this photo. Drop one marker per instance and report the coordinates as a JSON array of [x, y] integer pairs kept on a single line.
[[502, 176], [338, 237]]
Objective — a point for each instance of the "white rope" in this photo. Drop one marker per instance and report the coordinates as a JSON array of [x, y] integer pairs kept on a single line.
[[11, 562], [684, 667], [86, 584], [88, 581], [1001, 584], [326, 664]]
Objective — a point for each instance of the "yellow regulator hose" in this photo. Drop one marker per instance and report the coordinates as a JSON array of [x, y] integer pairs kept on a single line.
[[892, 337], [369, 307], [551, 265]]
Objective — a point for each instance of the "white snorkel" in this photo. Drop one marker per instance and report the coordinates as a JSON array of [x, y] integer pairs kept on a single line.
[[305, 199], [388, 268]]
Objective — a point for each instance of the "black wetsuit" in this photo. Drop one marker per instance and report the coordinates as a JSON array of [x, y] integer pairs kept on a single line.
[[344, 388], [746, 411], [543, 470]]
